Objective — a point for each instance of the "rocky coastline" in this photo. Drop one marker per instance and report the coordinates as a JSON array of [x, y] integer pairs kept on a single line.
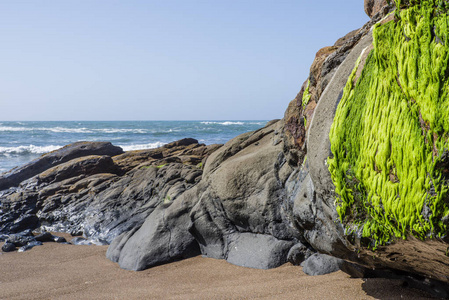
[[264, 198]]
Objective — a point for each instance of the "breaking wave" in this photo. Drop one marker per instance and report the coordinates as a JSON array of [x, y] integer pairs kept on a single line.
[[142, 146], [26, 150]]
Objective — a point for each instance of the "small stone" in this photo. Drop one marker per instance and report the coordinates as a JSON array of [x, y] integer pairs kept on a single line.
[[8, 247], [45, 237], [59, 239], [320, 264]]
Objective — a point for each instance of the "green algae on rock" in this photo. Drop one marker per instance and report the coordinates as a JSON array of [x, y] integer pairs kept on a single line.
[[390, 133]]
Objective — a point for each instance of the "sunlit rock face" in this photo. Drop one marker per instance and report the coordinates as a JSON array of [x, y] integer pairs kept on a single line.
[[377, 145]]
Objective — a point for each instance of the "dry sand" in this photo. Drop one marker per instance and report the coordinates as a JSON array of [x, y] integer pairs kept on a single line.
[[55, 271]]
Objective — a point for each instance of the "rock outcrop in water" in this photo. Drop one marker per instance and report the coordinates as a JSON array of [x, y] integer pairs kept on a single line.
[[356, 169]]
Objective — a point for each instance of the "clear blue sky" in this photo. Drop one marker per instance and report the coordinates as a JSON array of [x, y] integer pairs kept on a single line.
[[162, 60]]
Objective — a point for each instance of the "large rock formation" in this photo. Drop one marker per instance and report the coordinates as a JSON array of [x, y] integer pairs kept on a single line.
[[99, 196], [234, 213], [356, 169]]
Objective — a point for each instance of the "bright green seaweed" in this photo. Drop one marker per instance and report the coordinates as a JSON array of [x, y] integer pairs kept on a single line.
[[306, 96], [391, 130]]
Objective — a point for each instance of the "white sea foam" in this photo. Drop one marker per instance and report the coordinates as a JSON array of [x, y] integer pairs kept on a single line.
[[66, 130], [71, 130], [227, 123], [142, 146], [51, 129], [117, 130], [30, 149], [10, 128]]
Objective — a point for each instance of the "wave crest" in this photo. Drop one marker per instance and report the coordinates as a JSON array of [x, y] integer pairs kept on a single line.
[[142, 146], [30, 149]]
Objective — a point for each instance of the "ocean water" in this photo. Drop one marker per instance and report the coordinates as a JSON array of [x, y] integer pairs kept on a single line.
[[21, 142]]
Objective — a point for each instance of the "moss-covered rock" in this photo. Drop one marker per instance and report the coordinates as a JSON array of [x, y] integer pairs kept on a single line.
[[390, 133]]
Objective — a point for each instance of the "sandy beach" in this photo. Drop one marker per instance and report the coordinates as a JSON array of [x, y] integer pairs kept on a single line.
[[55, 271]]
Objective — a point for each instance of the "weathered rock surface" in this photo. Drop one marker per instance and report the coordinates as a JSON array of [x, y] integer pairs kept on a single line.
[[99, 196], [372, 7], [234, 213], [79, 149]]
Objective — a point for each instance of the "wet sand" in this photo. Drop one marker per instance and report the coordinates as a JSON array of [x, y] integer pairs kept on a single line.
[[55, 271]]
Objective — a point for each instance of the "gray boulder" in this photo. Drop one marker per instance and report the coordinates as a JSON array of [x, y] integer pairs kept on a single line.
[[258, 251], [321, 264], [162, 238]]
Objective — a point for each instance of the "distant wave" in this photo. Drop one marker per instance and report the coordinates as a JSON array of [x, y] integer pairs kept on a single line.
[[52, 129], [30, 149], [65, 130], [142, 146], [9, 128], [227, 123], [71, 130], [117, 130]]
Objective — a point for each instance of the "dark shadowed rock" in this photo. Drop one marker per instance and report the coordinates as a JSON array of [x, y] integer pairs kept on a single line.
[[59, 239], [8, 247], [44, 237], [24, 222], [298, 253]]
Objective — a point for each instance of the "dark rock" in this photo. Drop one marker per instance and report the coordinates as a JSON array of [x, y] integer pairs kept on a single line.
[[44, 237], [320, 264], [59, 239], [19, 240], [26, 232], [86, 166], [8, 247], [298, 253], [24, 222], [183, 142], [46, 161], [102, 197]]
